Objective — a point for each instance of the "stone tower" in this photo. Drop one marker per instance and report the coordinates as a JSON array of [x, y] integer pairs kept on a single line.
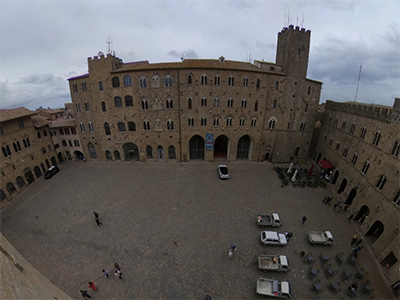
[[293, 50]]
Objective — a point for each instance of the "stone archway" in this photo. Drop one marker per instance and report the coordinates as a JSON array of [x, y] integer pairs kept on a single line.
[[221, 147], [243, 148], [60, 158], [352, 195], [374, 232], [342, 186], [28, 175], [362, 214], [53, 161], [196, 147], [37, 171], [78, 154], [92, 150], [335, 177], [131, 152]]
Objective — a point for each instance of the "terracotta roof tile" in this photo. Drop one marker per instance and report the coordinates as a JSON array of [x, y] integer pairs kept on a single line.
[[14, 113], [62, 122], [39, 121]]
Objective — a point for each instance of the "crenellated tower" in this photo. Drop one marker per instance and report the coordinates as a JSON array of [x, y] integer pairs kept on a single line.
[[292, 50]]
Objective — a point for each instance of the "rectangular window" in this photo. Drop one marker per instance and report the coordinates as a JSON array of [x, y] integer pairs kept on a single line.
[[241, 122], [353, 126], [231, 80], [90, 127], [258, 83], [70, 143], [21, 124], [73, 131], [83, 86], [245, 81], [61, 130], [103, 106], [216, 80], [82, 127], [253, 122], [78, 107], [216, 102], [229, 122], [216, 121], [203, 121], [354, 160], [53, 133], [203, 102], [87, 106], [66, 131], [100, 85], [75, 87], [190, 122], [76, 143], [230, 102]]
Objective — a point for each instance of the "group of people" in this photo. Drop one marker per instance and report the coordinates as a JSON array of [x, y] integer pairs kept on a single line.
[[118, 274], [356, 242], [337, 206], [231, 249]]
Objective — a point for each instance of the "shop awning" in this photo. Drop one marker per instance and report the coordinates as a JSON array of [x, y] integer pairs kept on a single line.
[[325, 164]]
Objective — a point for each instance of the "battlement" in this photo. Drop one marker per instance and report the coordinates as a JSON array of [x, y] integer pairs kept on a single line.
[[291, 28], [110, 62], [374, 111]]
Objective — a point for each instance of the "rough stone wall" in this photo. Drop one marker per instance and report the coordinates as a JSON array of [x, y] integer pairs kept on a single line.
[[381, 163], [19, 280], [15, 164]]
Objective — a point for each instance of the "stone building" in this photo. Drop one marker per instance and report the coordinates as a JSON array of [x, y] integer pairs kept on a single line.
[[199, 109], [362, 141], [27, 150]]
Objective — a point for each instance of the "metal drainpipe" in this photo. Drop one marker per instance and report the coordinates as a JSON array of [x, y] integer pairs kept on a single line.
[[180, 121]]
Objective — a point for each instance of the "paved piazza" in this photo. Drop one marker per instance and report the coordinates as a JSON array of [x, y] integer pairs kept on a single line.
[[170, 225]]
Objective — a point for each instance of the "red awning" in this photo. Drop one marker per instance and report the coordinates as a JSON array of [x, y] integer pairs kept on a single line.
[[325, 164]]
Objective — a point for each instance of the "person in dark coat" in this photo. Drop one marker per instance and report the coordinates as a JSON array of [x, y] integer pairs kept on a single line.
[[85, 294], [359, 242], [303, 220], [354, 240]]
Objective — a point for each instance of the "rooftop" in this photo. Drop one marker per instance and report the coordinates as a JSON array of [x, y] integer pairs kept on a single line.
[[15, 113]]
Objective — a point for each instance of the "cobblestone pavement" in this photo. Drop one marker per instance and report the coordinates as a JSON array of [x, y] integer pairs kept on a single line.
[[169, 226]]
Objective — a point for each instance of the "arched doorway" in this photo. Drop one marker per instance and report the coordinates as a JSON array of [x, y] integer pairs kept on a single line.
[[335, 177], [37, 171], [10, 188], [342, 186], [60, 158], [131, 152], [92, 150], [53, 161], [43, 168], [160, 152], [78, 154], [196, 146], [375, 232], [362, 214], [221, 147], [117, 155], [296, 151], [28, 175], [171, 152], [243, 148], [47, 163], [351, 196]]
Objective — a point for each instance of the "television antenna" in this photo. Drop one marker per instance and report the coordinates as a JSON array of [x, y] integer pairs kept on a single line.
[[358, 82], [109, 45]]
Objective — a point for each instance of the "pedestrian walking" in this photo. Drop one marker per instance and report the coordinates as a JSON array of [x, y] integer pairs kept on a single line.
[[359, 242], [116, 265], [230, 253], [325, 199], [288, 235], [96, 216], [354, 241], [351, 217], [345, 207], [85, 294], [353, 288], [303, 220], [233, 246], [330, 198], [92, 286], [118, 274], [105, 273], [356, 249]]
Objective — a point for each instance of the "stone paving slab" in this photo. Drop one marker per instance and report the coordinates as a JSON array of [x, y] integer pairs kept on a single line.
[[169, 226]]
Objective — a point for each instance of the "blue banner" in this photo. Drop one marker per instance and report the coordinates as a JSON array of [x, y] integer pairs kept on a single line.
[[209, 141]]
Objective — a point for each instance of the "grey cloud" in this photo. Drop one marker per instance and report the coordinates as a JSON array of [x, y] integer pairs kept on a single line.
[[127, 56], [185, 54], [40, 79], [265, 46], [243, 44]]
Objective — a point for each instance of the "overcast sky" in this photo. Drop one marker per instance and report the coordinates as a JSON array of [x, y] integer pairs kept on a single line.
[[45, 42]]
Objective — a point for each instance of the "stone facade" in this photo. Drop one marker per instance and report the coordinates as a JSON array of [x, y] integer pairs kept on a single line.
[[362, 142], [27, 150], [165, 111]]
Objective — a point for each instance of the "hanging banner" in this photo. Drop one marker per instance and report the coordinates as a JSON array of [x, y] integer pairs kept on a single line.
[[209, 141]]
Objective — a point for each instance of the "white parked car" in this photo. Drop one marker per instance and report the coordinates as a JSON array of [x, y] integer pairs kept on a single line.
[[223, 172], [273, 238]]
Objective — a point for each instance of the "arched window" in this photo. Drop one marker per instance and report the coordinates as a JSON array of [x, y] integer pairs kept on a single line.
[[44, 132], [10, 188], [306, 108], [352, 128], [241, 122], [203, 102], [216, 102], [143, 82], [354, 160], [376, 138], [170, 125], [363, 132], [274, 105], [204, 79], [128, 101], [365, 167], [230, 102], [256, 105], [121, 126], [117, 155], [276, 85], [4, 197], [127, 82], [189, 103], [296, 151], [38, 135], [396, 148], [115, 81], [396, 198], [92, 150], [169, 104], [146, 125], [155, 81], [168, 81], [381, 182], [118, 101], [330, 142], [271, 123], [107, 128], [253, 122], [231, 80], [228, 122], [171, 152], [189, 79], [145, 104], [244, 103], [309, 90], [149, 152], [20, 181], [108, 153], [131, 126]]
